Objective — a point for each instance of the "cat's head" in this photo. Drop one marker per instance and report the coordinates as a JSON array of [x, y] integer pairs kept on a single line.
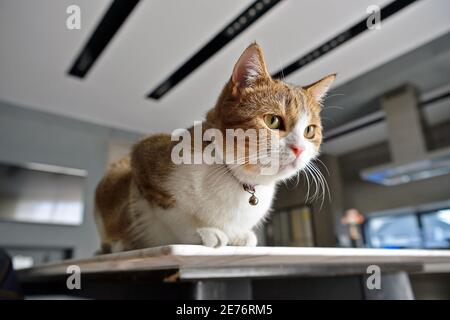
[[253, 100]]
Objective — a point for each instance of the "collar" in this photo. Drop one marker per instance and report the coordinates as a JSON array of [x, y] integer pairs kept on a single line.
[[250, 188]]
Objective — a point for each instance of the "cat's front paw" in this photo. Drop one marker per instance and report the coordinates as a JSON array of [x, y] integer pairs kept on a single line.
[[247, 239], [212, 237]]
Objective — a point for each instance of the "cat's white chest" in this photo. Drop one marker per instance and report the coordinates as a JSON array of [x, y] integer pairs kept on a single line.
[[204, 198], [217, 199]]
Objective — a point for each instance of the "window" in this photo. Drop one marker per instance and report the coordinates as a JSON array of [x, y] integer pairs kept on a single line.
[[290, 227], [41, 193], [430, 229], [436, 229], [393, 231]]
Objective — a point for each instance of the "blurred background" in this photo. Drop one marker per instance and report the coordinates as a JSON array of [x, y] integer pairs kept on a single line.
[[82, 80]]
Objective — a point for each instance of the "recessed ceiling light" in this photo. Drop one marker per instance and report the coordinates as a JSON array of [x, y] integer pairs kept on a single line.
[[252, 13], [111, 22], [340, 39]]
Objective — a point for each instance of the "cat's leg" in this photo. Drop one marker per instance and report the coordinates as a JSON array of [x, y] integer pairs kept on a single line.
[[247, 239], [117, 246], [212, 237]]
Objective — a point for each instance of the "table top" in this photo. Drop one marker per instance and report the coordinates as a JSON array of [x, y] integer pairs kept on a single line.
[[193, 261]]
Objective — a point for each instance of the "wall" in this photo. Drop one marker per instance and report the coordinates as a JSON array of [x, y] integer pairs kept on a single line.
[[368, 197], [31, 136]]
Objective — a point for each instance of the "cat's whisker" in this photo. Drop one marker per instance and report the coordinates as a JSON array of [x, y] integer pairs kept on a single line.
[[328, 119], [323, 183], [307, 184], [335, 95], [219, 168], [333, 107], [298, 179], [316, 183], [323, 164], [305, 171], [216, 177]]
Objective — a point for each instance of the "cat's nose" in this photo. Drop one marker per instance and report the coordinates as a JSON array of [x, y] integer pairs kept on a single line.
[[296, 150]]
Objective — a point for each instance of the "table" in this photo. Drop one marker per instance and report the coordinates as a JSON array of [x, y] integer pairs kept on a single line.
[[198, 272]]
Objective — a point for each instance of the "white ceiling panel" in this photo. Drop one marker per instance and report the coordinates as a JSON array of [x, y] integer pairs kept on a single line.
[[160, 35]]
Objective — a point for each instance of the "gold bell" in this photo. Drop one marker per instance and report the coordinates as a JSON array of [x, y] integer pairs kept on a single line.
[[253, 200]]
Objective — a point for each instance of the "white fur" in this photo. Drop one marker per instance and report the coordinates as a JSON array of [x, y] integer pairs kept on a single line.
[[296, 137], [211, 209]]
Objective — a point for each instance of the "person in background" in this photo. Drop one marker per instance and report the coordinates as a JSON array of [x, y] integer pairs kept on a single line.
[[353, 219]]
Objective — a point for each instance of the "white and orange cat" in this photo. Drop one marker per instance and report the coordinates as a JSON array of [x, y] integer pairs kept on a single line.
[[147, 200]]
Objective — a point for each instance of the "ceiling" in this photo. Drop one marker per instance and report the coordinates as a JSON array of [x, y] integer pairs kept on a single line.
[[37, 50], [427, 68]]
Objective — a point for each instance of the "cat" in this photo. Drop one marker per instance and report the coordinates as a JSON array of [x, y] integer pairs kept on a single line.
[[147, 200]]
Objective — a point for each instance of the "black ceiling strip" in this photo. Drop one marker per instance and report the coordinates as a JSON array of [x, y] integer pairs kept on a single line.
[[113, 19], [442, 96], [252, 13], [340, 39]]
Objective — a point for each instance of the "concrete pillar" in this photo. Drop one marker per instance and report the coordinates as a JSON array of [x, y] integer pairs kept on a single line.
[[406, 139]]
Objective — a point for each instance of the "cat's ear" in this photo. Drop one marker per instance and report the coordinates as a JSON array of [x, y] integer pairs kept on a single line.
[[319, 89], [250, 68]]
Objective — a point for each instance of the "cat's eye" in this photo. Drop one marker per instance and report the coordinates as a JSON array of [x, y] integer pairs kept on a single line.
[[310, 131], [273, 121]]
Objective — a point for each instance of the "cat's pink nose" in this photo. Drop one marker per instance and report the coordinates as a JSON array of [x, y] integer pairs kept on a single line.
[[296, 150]]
